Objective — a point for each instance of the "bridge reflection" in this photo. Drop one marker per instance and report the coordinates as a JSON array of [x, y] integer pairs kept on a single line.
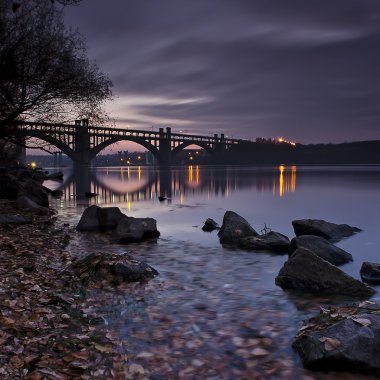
[[134, 184]]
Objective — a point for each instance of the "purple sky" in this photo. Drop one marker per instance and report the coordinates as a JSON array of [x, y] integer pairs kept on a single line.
[[305, 70]]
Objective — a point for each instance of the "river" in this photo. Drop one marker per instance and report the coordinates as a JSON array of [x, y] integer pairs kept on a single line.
[[210, 307]]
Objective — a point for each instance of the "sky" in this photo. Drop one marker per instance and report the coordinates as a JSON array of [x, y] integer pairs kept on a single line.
[[306, 70]]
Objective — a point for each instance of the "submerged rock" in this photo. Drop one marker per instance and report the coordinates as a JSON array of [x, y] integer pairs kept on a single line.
[[210, 225], [89, 194], [57, 193], [320, 247], [370, 272], [234, 228], [95, 218], [343, 339], [131, 230], [56, 176], [271, 241], [114, 268], [322, 228], [307, 272]]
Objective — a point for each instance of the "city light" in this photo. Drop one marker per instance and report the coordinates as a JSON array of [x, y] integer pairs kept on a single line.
[[282, 140], [33, 165]]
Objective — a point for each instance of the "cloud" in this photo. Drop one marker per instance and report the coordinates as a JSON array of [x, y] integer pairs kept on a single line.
[[305, 70]]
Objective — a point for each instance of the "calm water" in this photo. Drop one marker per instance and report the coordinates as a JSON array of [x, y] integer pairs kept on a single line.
[[207, 298]]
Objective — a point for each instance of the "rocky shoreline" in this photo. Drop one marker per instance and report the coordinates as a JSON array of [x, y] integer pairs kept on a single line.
[[49, 324]]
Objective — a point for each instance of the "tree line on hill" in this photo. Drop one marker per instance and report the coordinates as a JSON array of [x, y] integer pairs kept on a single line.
[[273, 153]]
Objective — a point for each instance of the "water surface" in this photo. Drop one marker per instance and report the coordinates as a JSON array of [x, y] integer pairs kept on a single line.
[[211, 306]]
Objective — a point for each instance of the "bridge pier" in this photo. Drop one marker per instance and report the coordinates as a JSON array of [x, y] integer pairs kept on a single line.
[[82, 151], [165, 148], [220, 149]]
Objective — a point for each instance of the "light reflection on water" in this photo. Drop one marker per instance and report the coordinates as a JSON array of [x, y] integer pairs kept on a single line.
[[236, 287]]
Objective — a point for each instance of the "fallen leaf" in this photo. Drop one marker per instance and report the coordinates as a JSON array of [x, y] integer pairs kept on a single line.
[[7, 321], [136, 369], [330, 343], [103, 349]]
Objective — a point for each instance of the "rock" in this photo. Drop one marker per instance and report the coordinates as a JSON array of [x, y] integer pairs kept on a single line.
[[320, 247], [19, 182], [322, 228], [115, 268], [307, 272], [210, 225], [271, 241], [89, 194], [9, 185], [14, 219], [56, 193], [234, 228], [35, 192], [341, 341], [370, 272], [27, 203], [95, 218], [130, 230], [57, 176], [46, 189]]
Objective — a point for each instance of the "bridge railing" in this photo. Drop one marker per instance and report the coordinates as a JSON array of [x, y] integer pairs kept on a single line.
[[60, 128]]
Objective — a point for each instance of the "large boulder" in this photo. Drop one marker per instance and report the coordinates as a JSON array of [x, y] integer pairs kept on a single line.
[[344, 339], [95, 218], [234, 228], [321, 247], [25, 202], [307, 272], [9, 185], [370, 272], [131, 230], [18, 182], [99, 266], [271, 241], [322, 228], [35, 192]]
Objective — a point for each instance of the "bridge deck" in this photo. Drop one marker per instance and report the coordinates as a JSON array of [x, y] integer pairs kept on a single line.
[[70, 129]]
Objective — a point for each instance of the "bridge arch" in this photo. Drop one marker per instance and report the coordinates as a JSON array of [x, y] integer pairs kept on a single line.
[[98, 148], [202, 145], [50, 140]]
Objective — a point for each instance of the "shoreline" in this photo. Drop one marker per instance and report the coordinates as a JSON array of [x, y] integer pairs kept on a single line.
[[45, 329]]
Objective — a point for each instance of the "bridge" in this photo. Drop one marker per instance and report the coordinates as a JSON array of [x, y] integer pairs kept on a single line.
[[82, 142]]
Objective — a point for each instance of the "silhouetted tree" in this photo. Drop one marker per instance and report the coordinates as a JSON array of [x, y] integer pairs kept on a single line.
[[44, 72]]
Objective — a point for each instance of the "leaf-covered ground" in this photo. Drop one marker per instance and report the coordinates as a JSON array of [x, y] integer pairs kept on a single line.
[[44, 331]]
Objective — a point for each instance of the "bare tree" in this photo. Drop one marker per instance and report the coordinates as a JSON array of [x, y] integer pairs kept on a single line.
[[45, 74]]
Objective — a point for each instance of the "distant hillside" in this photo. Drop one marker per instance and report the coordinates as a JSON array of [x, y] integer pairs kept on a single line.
[[361, 152]]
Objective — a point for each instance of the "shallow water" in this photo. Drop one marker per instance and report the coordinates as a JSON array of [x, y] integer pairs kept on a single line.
[[211, 306]]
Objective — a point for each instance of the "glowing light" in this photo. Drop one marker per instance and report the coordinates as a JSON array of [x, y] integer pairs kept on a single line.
[[190, 174], [33, 165], [139, 157], [286, 180], [282, 140], [281, 180]]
